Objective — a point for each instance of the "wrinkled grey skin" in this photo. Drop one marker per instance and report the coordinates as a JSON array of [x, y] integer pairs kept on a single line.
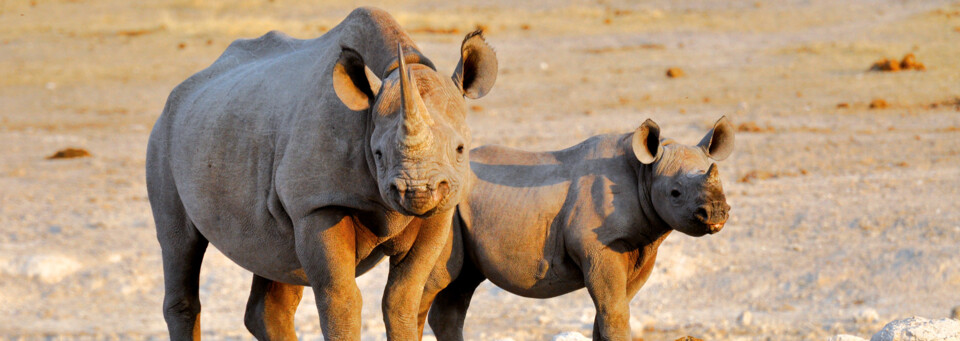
[[541, 225], [308, 161]]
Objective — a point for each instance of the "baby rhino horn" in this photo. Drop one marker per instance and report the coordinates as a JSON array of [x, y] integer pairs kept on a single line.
[[713, 175]]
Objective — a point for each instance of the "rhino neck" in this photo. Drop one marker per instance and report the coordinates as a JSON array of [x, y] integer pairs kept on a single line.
[[652, 226]]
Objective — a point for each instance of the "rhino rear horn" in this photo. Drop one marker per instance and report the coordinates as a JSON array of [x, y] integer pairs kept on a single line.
[[477, 70], [646, 142], [718, 143]]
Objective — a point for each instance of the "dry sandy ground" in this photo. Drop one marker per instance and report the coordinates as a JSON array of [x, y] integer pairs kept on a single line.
[[854, 209]]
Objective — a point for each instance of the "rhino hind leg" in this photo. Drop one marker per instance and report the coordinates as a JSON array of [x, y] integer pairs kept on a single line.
[[449, 308], [183, 248], [271, 308]]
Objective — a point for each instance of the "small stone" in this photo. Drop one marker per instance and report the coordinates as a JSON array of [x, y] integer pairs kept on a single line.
[[845, 337], [745, 318], [866, 315], [544, 319], [428, 338]]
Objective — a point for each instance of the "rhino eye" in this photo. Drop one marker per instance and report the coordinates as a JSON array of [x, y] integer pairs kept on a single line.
[[460, 149], [378, 154], [675, 193]]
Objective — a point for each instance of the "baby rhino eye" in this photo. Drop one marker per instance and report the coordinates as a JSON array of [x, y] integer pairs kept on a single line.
[[675, 193]]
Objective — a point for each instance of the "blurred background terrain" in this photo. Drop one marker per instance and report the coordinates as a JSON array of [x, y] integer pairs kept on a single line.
[[845, 183]]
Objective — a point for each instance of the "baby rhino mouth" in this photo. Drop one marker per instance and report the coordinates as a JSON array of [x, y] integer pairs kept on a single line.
[[713, 215]]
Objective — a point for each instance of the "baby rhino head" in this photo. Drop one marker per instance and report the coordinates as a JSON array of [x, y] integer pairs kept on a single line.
[[685, 187]]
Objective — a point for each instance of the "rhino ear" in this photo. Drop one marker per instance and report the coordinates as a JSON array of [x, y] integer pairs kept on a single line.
[[477, 70], [646, 142], [352, 81], [718, 143]]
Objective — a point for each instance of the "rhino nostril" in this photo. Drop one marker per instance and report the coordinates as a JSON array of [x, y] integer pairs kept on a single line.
[[398, 188], [443, 187], [702, 214]]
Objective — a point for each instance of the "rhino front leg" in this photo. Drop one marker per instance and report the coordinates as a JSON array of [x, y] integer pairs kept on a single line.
[[605, 279], [449, 310], [270, 309], [325, 243], [408, 276]]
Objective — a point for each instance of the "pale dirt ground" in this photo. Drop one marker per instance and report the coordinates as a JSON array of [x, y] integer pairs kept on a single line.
[[865, 212]]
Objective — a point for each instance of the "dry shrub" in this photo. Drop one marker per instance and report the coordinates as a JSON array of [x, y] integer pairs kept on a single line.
[[879, 103], [675, 72], [909, 62], [753, 127], [69, 153], [756, 175]]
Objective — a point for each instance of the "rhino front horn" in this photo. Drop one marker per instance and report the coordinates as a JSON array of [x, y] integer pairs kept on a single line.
[[415, 131]]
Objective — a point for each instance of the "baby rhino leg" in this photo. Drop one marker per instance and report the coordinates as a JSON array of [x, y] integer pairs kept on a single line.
[[270, 309]]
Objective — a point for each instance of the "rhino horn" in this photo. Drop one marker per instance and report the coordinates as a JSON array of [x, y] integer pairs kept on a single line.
[[713, 175], [415, 133]]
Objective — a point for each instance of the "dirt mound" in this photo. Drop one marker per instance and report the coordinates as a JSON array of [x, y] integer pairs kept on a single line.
[[909, 62], [69, 153]]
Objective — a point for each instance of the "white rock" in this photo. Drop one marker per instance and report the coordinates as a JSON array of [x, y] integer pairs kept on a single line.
[[845, 337], [636, 327], [919, 329], [428, 338], [745, 318], [570, 336], [866, 315]]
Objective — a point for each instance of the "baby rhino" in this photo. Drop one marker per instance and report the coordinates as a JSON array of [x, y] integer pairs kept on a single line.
[[544, 224]]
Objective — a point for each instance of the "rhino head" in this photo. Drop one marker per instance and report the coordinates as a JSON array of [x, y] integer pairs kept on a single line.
[[419, 142], [685, 187]]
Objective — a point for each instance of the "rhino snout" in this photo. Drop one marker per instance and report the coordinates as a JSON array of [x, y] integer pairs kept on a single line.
[[419, 197], [713, 214]]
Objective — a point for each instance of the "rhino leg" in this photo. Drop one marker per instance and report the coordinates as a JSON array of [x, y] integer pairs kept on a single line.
[[449, 309], [270, 309], [605, 279], [326, 247], [182, 248], [409, 272], [447, 268]]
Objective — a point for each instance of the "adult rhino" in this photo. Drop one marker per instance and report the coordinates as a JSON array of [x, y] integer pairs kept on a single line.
[[544, 224], [306, 162]]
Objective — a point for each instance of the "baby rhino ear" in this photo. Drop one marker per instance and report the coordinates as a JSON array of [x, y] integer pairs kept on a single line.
[[718, 143], [646, 142]]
